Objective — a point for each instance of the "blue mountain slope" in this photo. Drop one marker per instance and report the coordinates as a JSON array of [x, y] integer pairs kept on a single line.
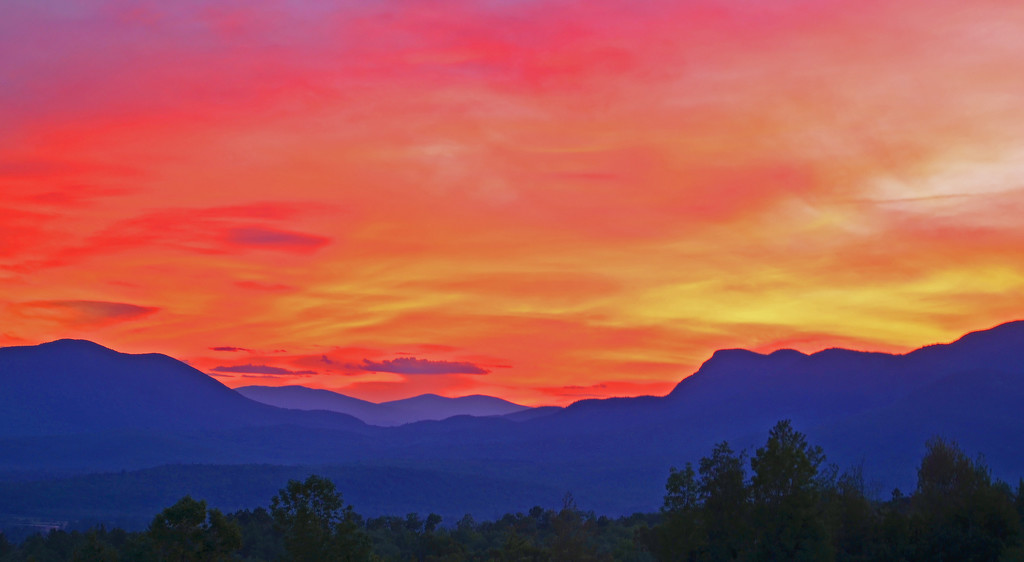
[[396, 412], [74, 386], [738, 390], [302, 398], [434, 407], [859, 406]]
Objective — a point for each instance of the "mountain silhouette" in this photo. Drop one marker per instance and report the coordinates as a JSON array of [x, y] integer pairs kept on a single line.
[[76, 386], [396, 412], [862, 407], [75, 407], [302, 398]]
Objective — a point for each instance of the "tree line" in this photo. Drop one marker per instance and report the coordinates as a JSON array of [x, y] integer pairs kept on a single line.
[[781, 502]]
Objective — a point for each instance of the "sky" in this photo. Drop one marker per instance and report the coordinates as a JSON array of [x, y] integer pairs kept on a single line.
[[541, 200]]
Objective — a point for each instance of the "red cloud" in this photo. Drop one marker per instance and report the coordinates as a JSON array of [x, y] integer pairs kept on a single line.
[[414, 366], [80, 313], [260, 370], [273, 239]]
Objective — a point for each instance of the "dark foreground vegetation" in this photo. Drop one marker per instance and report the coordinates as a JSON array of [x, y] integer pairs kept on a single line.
[[780, 502]]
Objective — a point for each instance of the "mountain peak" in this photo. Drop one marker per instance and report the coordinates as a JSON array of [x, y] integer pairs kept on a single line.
[[787, 353], [734, 353], [77, 386], [74, 345], [732, 359], [1013, 330], [396, 412]]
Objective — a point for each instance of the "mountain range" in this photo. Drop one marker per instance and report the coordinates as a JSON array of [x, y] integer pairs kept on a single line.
[[77, 416], [395, 412]]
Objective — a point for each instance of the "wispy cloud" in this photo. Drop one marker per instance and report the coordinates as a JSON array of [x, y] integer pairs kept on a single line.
[[274, 239], [260, 370], [261, 286], [84, 313], [414, 366], [200, 230]]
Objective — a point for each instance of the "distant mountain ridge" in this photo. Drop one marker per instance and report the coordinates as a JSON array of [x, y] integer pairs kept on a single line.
[[392, 413], [75, 407], [76, 386]]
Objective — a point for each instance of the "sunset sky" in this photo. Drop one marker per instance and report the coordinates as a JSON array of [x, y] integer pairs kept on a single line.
[[537, 200]]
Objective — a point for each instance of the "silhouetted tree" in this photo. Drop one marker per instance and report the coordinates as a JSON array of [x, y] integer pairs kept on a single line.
[[188, 531], [316, 524], [261, 539], [518, 548], [851, 517], [94, 549], [55, 546], [894, 541], [1018, 499], [467, 533], [961, 513], [433, 520], [725, 500], [572, 533], [681, 535], [786, 496]]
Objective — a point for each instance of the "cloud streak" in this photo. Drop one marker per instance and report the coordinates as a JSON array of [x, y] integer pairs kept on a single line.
[[273, 239], [414, 366], [85, 313], [260, 370]]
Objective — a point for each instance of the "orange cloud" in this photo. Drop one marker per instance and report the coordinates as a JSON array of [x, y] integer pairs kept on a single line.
[[263, 370], [83, 313]]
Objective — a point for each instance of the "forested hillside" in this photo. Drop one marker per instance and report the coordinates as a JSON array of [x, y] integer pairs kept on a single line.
[[779, 501]]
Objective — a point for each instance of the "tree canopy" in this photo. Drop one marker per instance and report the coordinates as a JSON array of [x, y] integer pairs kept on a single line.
[[316, 523]]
